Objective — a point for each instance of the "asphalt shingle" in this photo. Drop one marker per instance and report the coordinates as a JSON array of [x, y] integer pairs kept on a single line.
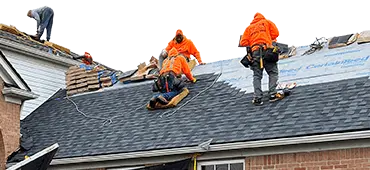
[[221, 113]]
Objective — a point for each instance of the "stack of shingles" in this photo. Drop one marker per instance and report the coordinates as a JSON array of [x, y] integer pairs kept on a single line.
[[79, 80]]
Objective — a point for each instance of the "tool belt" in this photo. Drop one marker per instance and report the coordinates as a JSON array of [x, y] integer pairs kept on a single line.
[[180, 54], [167, 82], [268, 55]]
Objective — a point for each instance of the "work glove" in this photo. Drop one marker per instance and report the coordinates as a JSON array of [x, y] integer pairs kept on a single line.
[[164, 54]]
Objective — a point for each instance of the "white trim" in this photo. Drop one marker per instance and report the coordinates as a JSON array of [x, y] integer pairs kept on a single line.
[[221, 155], [20, 48], [14, 100], [34, 157], [20, 94], [230, 161], [219, 147], [9, 76]]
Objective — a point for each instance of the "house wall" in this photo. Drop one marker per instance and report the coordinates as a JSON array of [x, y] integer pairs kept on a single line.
[[43, 77], [9, 123], [355, 158], [2, 152]]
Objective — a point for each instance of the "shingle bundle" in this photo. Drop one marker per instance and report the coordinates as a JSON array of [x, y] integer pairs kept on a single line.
[[79, 80]]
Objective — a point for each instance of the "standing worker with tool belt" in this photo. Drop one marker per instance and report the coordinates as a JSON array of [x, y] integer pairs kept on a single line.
[[168, 84], [259, 36]]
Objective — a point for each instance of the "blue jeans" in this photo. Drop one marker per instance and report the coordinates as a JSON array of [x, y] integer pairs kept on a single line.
[[168, 96], [46, 22]]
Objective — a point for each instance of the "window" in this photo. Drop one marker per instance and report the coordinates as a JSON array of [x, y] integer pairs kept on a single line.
[[222, 165], [124, 168]]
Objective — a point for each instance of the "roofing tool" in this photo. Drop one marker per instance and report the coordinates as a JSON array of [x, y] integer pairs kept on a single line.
[[261, 62], [275, 50], [261, 56]]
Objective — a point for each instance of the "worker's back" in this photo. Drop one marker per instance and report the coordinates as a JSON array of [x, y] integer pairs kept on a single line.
[[260, 31], [176, 64], [172, 64]]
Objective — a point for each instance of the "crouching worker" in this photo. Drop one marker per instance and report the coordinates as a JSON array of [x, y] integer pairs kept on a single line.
[[169, 83], [86, 58]]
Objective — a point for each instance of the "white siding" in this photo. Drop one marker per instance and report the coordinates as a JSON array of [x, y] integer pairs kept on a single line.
[[43, 77]]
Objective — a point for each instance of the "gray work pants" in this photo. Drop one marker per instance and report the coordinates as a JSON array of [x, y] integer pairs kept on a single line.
[[160, 61], [272, 71]]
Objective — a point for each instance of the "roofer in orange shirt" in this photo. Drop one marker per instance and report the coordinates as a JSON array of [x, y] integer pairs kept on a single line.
[[259, 36], [184, 46], [168, 84]]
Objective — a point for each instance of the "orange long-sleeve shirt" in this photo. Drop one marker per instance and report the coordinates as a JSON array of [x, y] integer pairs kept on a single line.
[[260, 31], [177, 64], [186, 47]]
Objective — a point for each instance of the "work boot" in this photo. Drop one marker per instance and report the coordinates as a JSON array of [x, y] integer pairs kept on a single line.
[[257, 101], [162, 100], [152, 103], [35, 37]]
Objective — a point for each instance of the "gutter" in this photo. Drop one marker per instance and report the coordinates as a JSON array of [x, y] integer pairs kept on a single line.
[[19, 93], [218, 147], [35, 157], [20, 48]]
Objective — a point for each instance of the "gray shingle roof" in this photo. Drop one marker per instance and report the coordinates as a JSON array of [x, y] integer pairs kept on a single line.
[[221, 113]]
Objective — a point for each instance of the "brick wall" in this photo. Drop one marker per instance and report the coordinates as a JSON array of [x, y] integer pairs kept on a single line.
[[9, 123], [2, 152], [353, 159]]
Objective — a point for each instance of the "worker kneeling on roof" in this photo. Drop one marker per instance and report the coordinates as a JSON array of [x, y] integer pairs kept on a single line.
[[168, 83], [184, 46], [259, 36]]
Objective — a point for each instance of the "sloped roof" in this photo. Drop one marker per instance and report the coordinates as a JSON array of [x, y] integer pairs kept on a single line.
[[326, 101], [37, 46], [38, 161]]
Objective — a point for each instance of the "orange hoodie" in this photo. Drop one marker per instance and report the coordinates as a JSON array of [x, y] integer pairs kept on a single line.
[[260, 31], [185, 47], [177, 64]]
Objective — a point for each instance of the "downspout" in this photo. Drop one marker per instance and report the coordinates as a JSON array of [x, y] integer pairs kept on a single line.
[[195, 163], [195, 160]]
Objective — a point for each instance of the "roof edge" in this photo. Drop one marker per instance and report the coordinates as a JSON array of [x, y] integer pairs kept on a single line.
[[218, 147], [12, 72], [34, 157], [20, 48], [19, 93]]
